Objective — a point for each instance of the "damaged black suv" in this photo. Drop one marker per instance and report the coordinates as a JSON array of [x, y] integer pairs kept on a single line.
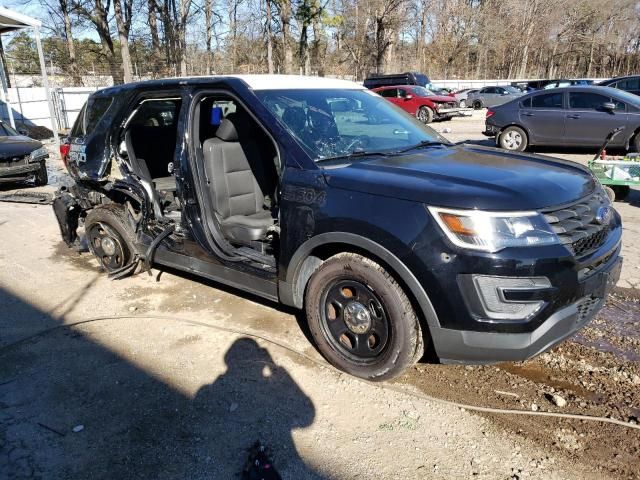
[[320, 194]]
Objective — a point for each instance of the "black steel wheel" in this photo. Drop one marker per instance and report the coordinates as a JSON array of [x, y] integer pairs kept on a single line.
[[110, 237], [361, 319], [354, 320]]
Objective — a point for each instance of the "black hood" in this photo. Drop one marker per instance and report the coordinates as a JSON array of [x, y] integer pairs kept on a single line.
[[18, 146], [466, 176]]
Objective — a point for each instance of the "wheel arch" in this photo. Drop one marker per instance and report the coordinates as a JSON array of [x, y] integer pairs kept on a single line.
[[631, 139], [311, 254]]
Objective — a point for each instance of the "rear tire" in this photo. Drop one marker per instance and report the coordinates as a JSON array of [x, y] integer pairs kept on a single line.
[[463, 103], [41, 176], [620, 192], [513, 139], [361, 319], [110, 236], [636, 142], [425, 114]]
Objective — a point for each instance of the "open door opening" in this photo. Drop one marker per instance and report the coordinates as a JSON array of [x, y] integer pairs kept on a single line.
[[239, 177], [148, 142]]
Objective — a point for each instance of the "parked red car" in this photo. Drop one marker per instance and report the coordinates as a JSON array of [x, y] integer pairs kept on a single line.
[[418, 101]]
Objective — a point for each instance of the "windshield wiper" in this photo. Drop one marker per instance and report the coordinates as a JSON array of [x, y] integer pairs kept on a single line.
[[424, 143], [354, 154]]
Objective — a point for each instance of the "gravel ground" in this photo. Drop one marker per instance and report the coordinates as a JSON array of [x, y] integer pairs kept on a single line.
[[159, 398]]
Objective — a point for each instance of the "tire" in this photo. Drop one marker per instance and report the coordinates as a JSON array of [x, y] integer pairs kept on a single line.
[[477, 104], [636, 142], [361, 319], [110, 237], [463, 103], [620, 192], [513, 139], [425, 114], [41, 176]]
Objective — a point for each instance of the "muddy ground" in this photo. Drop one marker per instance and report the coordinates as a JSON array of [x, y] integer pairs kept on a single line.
[[161, 399]]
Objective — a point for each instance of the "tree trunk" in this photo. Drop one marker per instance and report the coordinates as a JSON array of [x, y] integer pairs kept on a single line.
[[71, 48], [123, 17], [208, 18], [285, 20], [269, 34]]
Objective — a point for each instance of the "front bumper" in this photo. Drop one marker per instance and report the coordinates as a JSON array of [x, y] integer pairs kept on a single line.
[[466, 346], [449, 112], [22, 170]]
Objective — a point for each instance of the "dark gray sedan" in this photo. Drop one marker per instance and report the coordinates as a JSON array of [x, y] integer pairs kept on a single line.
[[572, 116]]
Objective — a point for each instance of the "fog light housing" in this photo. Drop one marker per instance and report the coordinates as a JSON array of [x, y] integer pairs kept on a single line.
[[496, 298]]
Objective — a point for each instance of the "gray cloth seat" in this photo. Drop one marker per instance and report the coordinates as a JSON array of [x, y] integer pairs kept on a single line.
[[239, 187]]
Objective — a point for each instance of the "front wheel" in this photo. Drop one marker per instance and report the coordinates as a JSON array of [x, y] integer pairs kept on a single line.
[[425, 115], [477, 104], [361, 319], [463, 103], [513, 139]]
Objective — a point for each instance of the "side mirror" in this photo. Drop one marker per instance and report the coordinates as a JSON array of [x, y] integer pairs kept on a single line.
[[609, 106], [22, 131], [505, 93], [408, 97]]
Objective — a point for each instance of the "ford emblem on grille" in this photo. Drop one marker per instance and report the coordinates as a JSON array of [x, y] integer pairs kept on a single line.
[[603, 215]]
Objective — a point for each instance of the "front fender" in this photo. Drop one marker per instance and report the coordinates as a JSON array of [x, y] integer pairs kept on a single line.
[[303, 264]]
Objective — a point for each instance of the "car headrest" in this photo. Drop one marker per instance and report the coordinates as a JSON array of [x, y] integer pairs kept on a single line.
[[295, 118], [227, 130]]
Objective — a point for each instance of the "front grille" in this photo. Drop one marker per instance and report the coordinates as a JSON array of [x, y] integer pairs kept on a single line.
[[576, 224], [586, 306]]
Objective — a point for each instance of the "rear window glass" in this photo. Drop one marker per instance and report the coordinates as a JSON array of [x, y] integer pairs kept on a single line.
[[78, 126], [550, 100], [96, 108]]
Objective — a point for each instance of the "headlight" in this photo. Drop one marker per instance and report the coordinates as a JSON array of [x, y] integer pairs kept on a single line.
[[39, 153], [493, 231]]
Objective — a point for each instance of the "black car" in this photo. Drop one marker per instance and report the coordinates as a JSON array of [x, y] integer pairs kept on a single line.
[[320, 194], [21, 157], [406, 78], [572, 116], [629, 84]]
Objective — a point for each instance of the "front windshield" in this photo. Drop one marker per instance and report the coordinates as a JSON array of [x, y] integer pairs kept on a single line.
[[511, 89], [422, 92], [336, 123], [7, 131]]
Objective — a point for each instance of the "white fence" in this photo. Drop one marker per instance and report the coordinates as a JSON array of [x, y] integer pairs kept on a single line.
[[29, 106]]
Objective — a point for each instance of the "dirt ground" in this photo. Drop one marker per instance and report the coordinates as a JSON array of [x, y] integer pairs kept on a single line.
[[175, 377]]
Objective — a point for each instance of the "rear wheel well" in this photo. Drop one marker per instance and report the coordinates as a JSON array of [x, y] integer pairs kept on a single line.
[[633, 139]]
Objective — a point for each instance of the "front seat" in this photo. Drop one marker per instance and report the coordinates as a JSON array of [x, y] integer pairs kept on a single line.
[[238, 185]]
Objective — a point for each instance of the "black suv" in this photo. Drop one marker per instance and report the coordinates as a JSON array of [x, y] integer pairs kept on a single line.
[[407, 78], [322, 195], [629, 84]]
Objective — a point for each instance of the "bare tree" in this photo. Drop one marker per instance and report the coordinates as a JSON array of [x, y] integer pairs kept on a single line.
[[122, 9]]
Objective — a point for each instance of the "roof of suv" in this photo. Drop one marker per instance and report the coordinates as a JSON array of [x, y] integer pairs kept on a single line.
[[255, 82]]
